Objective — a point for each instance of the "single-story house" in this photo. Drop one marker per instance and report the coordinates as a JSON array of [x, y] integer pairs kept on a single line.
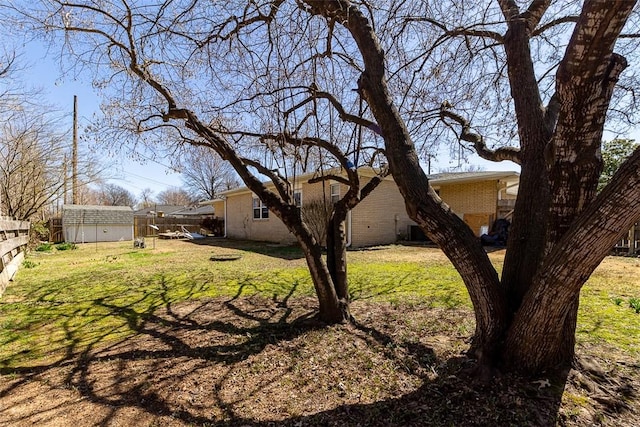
[[477, 197], [92, 223]]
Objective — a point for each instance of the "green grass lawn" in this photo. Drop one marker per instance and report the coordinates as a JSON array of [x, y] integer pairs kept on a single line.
[[64, 303]]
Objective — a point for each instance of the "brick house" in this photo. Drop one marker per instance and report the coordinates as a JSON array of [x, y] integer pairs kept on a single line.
[[477, 197]]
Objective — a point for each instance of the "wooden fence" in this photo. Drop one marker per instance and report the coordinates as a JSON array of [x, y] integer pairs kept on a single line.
[[14, 238], [629, 244], [56, 234], [142, 226]]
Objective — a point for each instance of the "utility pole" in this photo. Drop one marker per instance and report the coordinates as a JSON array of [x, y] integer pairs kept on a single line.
[[66, 180], [74, 160]]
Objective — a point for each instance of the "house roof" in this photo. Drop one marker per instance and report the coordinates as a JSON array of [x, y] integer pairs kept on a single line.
[[203, 209], [460, 177], [167, 209], [434, 179], [94, 214]]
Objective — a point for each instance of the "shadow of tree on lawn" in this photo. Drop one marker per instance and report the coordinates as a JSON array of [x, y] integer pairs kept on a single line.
[[249, 360], [287, 252]]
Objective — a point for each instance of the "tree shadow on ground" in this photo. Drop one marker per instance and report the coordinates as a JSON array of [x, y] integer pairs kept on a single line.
[[256, 361], [288, 252]]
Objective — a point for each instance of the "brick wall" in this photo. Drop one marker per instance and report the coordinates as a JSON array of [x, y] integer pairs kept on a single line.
[[242, 225], [381, 218], [472, 197]]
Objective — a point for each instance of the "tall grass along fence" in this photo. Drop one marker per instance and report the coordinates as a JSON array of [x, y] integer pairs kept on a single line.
[[14, 238]]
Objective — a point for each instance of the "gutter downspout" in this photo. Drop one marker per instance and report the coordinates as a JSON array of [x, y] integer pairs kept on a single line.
[[225, 218], [349, 233]]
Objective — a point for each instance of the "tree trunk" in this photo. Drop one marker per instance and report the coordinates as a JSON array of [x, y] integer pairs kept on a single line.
[[332, 307], [529, 221], [529, 320], [337, 256], [542, 334]]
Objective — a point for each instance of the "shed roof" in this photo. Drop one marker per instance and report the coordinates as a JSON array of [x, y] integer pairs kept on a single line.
[[94, 214]]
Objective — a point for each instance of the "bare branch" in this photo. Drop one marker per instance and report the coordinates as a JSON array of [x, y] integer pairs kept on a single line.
[[5, 69], [500, 154], [555, 22], [459, 31], [282, 185], [343, 114], [240, 24]]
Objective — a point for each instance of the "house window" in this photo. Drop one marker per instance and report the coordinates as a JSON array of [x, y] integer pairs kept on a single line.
[[335, 193], [297, 198], [260, 210]]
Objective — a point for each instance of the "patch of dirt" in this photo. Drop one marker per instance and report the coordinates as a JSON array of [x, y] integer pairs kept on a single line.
[[252, 361]]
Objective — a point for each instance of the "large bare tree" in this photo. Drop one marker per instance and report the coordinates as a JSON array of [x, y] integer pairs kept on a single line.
[[114, 195], [294, 79], [237, 80], [31, 164], [35, 149], [561, 231], [174, 196]]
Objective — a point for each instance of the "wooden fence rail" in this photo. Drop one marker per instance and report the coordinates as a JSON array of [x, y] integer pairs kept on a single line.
[[144, 226], [14, 238], [630, 243]]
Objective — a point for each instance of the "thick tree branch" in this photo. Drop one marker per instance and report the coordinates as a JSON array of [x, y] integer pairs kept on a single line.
[[329, 177], [551, 113], [282, 185], [534, 13], [509, 9], [498, 155], [555, 22]]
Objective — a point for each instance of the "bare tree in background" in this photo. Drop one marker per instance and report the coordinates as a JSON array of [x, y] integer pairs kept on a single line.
[[317, 214], [31, 169], [34, 148], [114, 195], [146, 198], [206, 176], [176, 197]]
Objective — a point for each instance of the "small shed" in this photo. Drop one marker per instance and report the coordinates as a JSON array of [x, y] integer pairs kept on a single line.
[[91, 223]]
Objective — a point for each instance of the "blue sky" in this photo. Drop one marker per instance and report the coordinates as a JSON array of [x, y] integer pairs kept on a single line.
[[43, 72]]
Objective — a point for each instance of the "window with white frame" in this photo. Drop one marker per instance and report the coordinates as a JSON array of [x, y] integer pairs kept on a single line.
[[260, 210], [335, 192]]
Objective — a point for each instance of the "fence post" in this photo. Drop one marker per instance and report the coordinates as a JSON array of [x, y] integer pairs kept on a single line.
[[14, 238]]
